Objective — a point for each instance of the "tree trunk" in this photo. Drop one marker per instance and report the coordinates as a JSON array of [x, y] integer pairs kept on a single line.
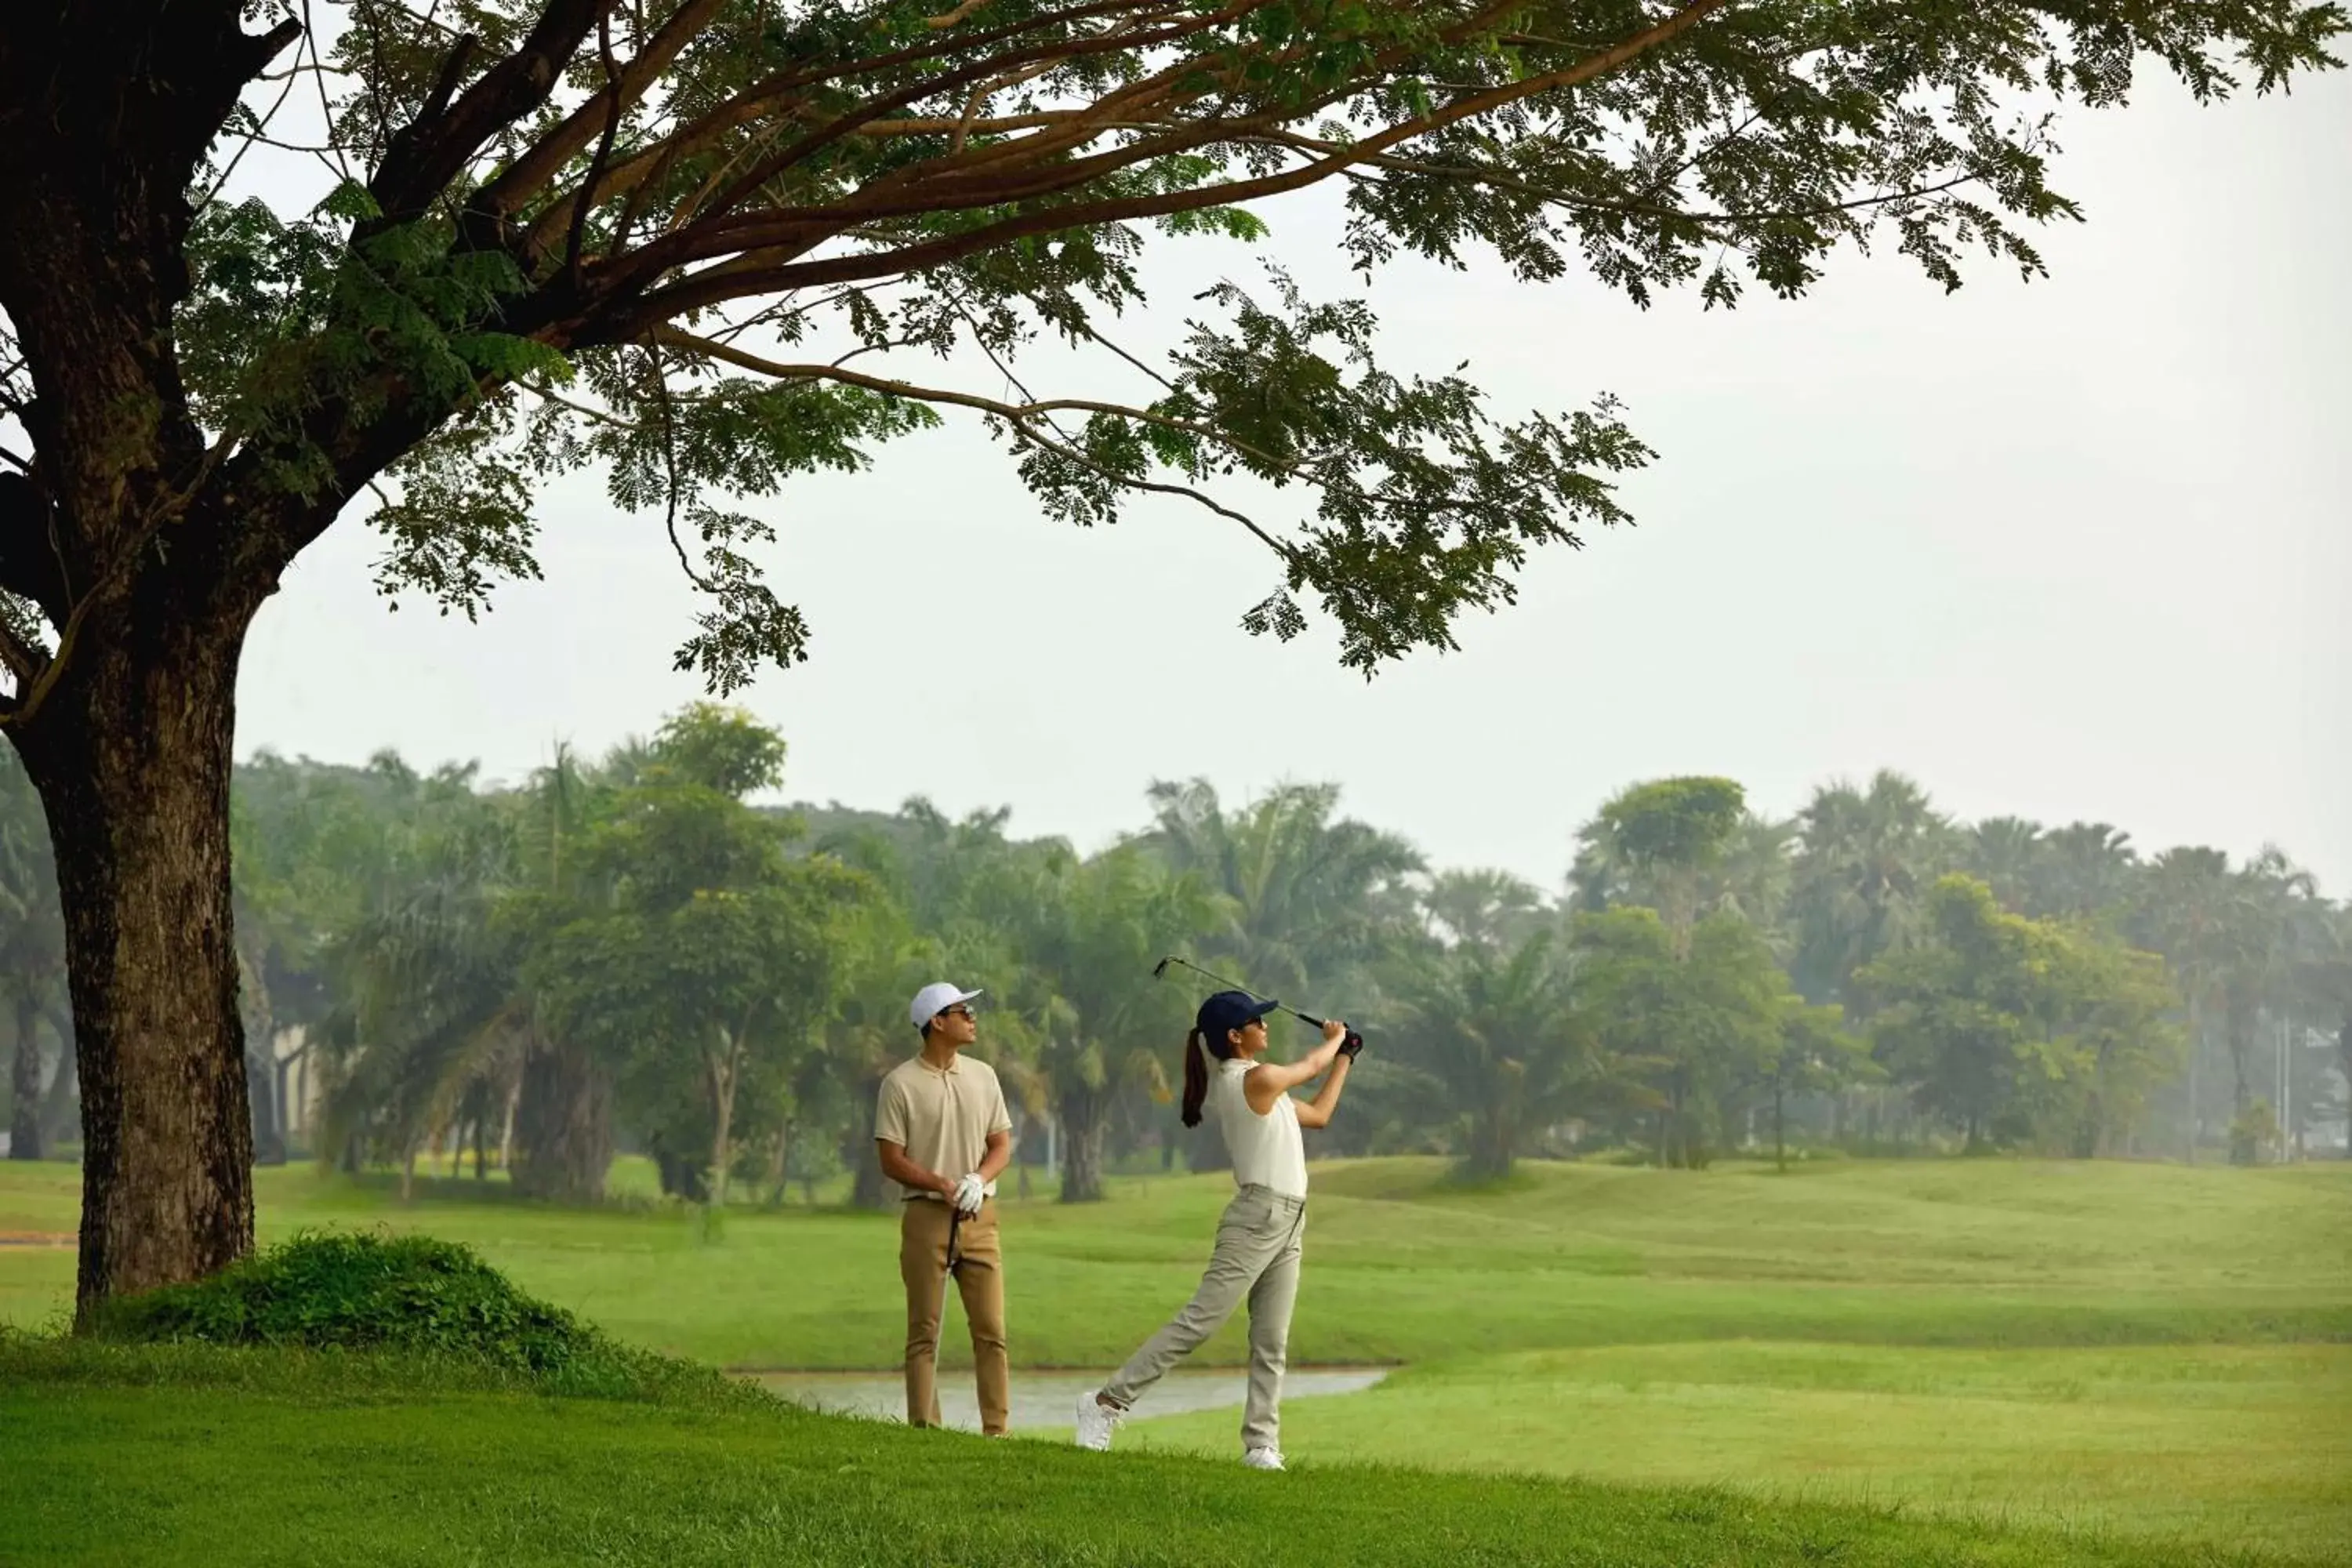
[[2237, 1025], [866, 1189], [131, 753], [59, 1104], [1491, 1143], [2344, 1065], [1082, 1113], [506, 1129], [25, 1083], [269, 1128], [563, 1126], [722, 1109], [1780, 1132], [778, 1155]]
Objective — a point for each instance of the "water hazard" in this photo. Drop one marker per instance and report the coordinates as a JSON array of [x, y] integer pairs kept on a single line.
[[1044, 1399]]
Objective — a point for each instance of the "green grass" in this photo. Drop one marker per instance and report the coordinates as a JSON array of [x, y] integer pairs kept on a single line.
[[2249, 1445], [265, 1457], [2152, 1355], [1403, 1267]]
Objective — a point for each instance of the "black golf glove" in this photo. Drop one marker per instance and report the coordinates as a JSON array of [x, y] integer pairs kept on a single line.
[[1350, 1047]]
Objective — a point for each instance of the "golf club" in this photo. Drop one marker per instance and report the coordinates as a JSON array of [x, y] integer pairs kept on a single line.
[[1354, 1042]]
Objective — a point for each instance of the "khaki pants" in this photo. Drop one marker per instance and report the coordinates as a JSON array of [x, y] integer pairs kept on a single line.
[[923, 1264], [1256, 1260]]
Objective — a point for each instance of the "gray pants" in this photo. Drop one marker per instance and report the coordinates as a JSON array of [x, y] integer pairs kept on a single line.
[[1256, 1259]]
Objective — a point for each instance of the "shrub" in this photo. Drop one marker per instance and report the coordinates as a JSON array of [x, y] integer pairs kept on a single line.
[[408, 1295]]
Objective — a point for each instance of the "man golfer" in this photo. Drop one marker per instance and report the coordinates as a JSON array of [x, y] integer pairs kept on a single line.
[[943, 1134]]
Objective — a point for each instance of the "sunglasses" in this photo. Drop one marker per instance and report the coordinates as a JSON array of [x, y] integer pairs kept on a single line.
[[958, 1012]]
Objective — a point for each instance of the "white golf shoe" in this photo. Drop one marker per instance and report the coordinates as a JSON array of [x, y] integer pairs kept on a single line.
[[1263, 1458], [1096, 1421]]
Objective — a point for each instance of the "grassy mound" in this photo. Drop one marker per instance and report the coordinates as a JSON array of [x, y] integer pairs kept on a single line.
[[295, 1466], [415, 1298]]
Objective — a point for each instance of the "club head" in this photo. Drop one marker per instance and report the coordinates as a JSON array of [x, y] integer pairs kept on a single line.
[[1159, 969]]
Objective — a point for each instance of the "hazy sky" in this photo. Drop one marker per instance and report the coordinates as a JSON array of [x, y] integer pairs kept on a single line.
[[2077, 548]]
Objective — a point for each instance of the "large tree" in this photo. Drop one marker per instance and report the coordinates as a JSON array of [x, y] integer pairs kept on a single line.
[[559, 232]]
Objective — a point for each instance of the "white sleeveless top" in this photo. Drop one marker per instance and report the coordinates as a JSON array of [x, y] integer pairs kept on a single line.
[[1267, 1151]]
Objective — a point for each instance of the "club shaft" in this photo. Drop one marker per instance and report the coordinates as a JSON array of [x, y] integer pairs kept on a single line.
[[1234, 985]]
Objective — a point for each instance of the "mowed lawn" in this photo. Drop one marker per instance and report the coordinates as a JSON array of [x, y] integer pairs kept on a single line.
[[276, 1466], [2140, 1353]]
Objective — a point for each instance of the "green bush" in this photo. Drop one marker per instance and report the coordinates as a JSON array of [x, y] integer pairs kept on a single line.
[[408, 1295]]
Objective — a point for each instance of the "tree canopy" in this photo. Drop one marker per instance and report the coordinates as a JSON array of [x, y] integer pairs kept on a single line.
[[655, 238]]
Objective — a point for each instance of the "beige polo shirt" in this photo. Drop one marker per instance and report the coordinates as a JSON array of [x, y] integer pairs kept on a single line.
[[941, 1119]]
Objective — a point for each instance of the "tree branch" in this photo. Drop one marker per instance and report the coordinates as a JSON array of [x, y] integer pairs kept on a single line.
[[424, 156], [779, 371], [713, 287], [1023, 416]]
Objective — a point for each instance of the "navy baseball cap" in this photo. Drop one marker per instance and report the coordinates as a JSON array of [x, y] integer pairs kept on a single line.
[[1230, 1010]]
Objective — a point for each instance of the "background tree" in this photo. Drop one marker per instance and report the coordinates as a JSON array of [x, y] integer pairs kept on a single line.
[[1968, 1019], [1484, 908], [1089, 933], [2118, 1010], [1494, 1027], [586, 233], [424, 975], [1660, 846], [1307, 895], [1705, 1007], [1815, 1054], [32, 953], [1866, 859]]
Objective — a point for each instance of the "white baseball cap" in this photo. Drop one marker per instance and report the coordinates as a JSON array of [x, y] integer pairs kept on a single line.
[[935, 999]]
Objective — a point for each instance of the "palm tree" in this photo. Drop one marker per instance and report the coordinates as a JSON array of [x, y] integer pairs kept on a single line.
[[2223, 931], [2088, 872], [1865, 861], [1496, 1028], [427, 1020], [1309, 895], [1481, 908], [2006, 854], [1089, 933], [2323, 982]]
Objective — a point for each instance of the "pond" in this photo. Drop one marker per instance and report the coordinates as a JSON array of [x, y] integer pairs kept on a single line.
[[1044, 1399]]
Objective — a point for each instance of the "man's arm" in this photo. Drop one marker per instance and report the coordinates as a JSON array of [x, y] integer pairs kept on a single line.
[[999, 1154], [907, 1173]]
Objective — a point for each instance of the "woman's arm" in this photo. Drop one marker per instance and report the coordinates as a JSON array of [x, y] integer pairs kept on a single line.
[[1269, 1082], [1317, 1112]]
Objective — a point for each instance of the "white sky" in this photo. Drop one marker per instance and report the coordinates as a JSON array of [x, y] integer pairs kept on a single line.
[[2072, 549]]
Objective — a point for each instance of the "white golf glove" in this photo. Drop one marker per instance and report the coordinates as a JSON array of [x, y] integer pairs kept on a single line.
[[969, 1193]]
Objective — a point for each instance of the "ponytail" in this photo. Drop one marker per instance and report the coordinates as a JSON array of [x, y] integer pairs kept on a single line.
[[1196, 1078]]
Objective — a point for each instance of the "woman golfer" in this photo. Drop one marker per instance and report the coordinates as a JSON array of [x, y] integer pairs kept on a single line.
[[1256, 1255]]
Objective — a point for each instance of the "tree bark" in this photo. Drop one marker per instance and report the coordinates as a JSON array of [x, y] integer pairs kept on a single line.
[[131, 753]]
